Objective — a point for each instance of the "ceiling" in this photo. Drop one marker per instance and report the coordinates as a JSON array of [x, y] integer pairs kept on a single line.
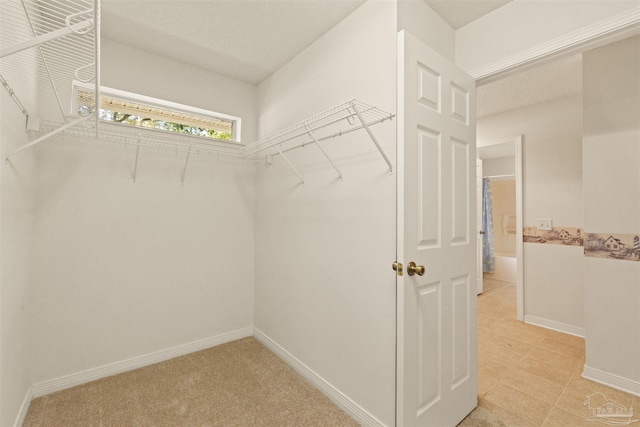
[[247, 40], [250, 39], [458, 13], [544, 83]]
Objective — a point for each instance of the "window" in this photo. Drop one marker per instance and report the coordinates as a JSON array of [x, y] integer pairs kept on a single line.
[[136, 110]]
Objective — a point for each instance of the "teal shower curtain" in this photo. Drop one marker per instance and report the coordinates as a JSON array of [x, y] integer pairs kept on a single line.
[[487, 227]]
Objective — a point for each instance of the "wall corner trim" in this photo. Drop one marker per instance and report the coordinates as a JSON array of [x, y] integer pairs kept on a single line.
[[339, 398], [24, 408], [556, 326], [608, 30], [612, 380], [67, 381]]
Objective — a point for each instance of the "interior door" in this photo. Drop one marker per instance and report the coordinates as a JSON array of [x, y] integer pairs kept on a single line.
[[437, 378], [480, 231]]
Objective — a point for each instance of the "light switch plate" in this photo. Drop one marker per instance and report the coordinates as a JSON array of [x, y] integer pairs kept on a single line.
[[545, 224]]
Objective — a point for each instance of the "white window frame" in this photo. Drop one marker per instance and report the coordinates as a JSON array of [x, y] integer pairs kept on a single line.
[[157, 103]]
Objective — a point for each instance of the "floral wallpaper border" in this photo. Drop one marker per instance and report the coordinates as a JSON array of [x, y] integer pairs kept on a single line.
[[597, 245]]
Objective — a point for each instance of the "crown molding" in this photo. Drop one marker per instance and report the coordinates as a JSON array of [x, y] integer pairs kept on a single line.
[[606, 31]]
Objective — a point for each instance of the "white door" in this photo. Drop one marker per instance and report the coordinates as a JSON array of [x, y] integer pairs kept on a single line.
[[437, 378], [480, 231]]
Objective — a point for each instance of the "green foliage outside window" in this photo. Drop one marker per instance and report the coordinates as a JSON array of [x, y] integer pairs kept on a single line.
[[145, 122], [130, 119]]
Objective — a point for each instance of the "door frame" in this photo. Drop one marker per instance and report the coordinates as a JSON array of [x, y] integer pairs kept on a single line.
[[516, 143]]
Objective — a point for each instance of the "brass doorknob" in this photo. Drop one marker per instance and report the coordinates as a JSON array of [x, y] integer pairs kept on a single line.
[[412, 269]]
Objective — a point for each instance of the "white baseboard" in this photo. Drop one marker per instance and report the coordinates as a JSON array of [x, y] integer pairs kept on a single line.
[[612, 380], [24, 408], [93, 374], [339, 398], [556, 326]]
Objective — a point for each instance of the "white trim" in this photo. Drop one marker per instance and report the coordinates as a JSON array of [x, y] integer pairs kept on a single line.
[[24, 408], [609, 30], [93, 374], [339, 398], [612, 380], [519, 229], [553, 325]]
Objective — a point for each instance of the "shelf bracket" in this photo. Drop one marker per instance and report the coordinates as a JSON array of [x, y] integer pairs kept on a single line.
[[289, 163], [47, 136], [135, 165], [184, 170], [13, 96], [313, 136], [373, 138]]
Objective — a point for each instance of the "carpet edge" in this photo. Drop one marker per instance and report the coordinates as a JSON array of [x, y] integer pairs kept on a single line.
[[336, 396], [78, 378]]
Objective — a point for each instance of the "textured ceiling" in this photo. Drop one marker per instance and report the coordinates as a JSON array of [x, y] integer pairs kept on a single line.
[[247, 40], [458, 13], [250, 39], [543, 83]]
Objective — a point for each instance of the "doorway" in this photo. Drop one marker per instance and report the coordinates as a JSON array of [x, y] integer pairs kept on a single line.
[[500, 162]]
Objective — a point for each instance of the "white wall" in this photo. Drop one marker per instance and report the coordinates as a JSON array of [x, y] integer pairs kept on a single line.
[[127, 68], [499, 166], [525, 24], [552, 188], [16, 230], [16, 246], [420, 20], [325, 291], [612, 179], [122, 269]]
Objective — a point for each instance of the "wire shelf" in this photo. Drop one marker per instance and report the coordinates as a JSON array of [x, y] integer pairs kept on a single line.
[[158, 140], [44, 46], [336, 121]]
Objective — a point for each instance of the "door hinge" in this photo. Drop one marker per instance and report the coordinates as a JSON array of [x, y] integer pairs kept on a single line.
[[397, 267]]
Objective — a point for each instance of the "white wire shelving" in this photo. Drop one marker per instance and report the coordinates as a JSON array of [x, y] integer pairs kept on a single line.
[[44, 46], [47, 45], [345, 118]]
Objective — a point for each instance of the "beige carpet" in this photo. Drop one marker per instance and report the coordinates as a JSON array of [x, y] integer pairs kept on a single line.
[[482, 417], [236, 384]]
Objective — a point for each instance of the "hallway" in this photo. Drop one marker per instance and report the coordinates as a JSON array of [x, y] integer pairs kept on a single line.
[[531, 376]]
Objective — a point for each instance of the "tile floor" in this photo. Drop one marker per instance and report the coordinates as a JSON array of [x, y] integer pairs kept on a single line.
[[532, 376]]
